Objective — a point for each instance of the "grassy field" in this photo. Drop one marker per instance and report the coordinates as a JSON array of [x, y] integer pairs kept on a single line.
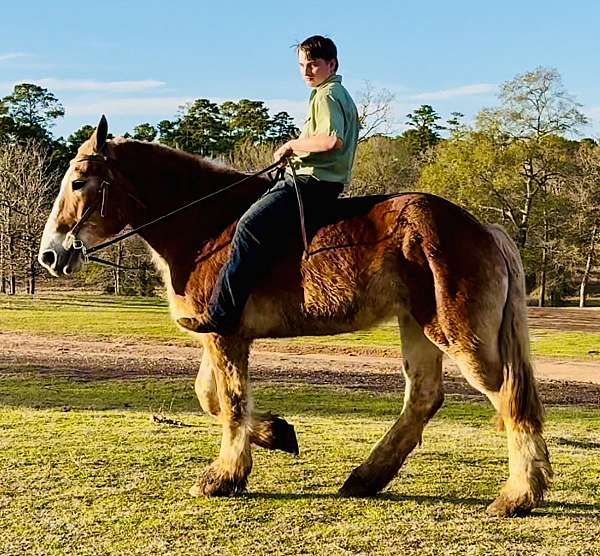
[[147, 319], [85, 470]]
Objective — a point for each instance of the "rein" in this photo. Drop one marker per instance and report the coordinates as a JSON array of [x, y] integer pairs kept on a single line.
[[72, 242]]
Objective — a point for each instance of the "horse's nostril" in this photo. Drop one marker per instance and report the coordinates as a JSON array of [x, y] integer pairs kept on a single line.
[[48, 257]]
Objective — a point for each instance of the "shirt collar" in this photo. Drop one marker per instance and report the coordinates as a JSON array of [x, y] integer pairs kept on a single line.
[[333, 78]]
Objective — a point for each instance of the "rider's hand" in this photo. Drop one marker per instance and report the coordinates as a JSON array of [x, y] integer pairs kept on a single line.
[[283, 151]]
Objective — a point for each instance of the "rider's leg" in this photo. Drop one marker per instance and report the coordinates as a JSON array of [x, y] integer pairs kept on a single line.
[[269, 225]]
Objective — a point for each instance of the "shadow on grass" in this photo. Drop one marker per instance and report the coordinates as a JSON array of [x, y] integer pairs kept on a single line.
[[573, 443], [37, 390], [549, 509]]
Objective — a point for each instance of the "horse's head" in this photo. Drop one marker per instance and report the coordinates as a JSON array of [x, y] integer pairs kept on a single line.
[[80, 212]]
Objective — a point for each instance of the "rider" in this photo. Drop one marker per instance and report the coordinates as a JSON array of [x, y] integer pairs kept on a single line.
[[322, 156]]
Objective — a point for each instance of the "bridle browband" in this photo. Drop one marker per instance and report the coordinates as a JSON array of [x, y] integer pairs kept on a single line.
[[72, 242]]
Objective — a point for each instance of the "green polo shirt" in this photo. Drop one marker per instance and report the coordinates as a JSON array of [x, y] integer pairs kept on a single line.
[[331, 111]]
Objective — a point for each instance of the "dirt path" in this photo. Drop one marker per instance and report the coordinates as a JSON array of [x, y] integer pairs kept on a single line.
[[564, 318], [561, 381]]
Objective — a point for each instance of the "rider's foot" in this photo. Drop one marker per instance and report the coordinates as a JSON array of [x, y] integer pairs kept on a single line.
[[203, 324]]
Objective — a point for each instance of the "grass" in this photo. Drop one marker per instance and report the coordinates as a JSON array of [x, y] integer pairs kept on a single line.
[[84, 470], [147, 319]]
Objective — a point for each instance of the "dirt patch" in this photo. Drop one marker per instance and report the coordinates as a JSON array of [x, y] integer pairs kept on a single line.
[[561, 381]]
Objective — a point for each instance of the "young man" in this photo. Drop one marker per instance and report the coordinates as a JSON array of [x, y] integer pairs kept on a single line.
[[322, 156]]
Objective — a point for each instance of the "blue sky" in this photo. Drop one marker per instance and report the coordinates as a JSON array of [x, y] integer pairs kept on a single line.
[[137, 61]]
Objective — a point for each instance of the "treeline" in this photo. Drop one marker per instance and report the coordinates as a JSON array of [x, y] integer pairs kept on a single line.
[[518, 164], [32, 161]]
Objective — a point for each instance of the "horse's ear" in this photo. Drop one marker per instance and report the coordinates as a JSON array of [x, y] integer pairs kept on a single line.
[[98, 138]]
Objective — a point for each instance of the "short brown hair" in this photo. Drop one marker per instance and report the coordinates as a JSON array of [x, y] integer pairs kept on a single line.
[[319, 47]]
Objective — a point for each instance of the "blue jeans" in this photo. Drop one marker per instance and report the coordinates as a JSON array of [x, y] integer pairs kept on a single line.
[[270, 227]]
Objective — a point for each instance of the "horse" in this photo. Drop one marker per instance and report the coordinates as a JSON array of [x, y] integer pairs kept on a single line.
[[456, 287]]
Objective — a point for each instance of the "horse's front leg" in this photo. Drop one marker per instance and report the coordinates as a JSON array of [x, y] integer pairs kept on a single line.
[[266, 429], [228, 474]]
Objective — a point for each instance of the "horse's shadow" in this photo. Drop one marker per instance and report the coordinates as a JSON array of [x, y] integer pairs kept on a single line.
[[548, 509]]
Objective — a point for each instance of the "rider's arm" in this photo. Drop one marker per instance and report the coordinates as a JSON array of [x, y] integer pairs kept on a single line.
[[330, 125], [314, 144]]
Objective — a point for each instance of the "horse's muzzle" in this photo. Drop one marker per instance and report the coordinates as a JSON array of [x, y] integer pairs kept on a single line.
[[60, 262]]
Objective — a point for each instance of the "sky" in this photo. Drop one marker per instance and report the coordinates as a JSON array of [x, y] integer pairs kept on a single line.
[[138, 61]]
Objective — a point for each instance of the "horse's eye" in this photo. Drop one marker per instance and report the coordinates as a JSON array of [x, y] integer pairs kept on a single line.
[[78, 184]]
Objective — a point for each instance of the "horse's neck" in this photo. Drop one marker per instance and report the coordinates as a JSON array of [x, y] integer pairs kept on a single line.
[[164, 180]]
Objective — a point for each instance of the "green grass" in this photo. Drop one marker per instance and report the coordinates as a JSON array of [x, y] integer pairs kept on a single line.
[[551, 343], [84, 470], [147, 319], [89, 315]]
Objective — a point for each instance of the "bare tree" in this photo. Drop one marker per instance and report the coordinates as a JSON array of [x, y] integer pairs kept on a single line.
[[25, 181], [374, 111]]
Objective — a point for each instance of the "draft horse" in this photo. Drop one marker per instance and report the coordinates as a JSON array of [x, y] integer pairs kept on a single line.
[[455, 286]]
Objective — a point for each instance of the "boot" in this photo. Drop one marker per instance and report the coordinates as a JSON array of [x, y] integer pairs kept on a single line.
[[204, 324]]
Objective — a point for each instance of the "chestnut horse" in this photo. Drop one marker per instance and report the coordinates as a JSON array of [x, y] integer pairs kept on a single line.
[[455, 286]]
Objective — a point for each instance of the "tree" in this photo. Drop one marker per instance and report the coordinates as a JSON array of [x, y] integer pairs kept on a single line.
[[79, 136], [513, 166], [424, 129], [383, 165], [33, 111], [246, 120], [455, 124], [534, 105], [202, 129], [168, 132], [26, 177], [7, 125], [374, 111], [282, 128], [585, 216], [144, 132]]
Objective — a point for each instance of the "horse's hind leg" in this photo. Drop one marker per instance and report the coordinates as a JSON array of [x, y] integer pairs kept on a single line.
[[521, 412], [423, 396], [266, 430]]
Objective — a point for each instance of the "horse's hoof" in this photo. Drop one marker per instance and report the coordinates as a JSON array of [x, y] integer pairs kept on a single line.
[[356, 486], [506, 506], [284, 436], [213, 482]]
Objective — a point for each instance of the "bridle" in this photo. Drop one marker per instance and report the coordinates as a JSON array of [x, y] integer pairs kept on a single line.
[[71, 241]]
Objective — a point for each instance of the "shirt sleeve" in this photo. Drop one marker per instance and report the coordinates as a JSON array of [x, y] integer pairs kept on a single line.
[[330, 118]]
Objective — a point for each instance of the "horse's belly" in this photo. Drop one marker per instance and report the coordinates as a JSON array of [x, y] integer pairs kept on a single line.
[[323, 304]]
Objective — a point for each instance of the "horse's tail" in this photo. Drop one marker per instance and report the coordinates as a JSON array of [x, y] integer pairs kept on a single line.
[[520, 406], [520, 400]]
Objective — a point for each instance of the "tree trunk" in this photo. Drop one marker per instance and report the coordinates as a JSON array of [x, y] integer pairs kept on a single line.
[[588, 268], [542, 297], [117, 272], [31, 282], [12, 278], [2, 264]]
